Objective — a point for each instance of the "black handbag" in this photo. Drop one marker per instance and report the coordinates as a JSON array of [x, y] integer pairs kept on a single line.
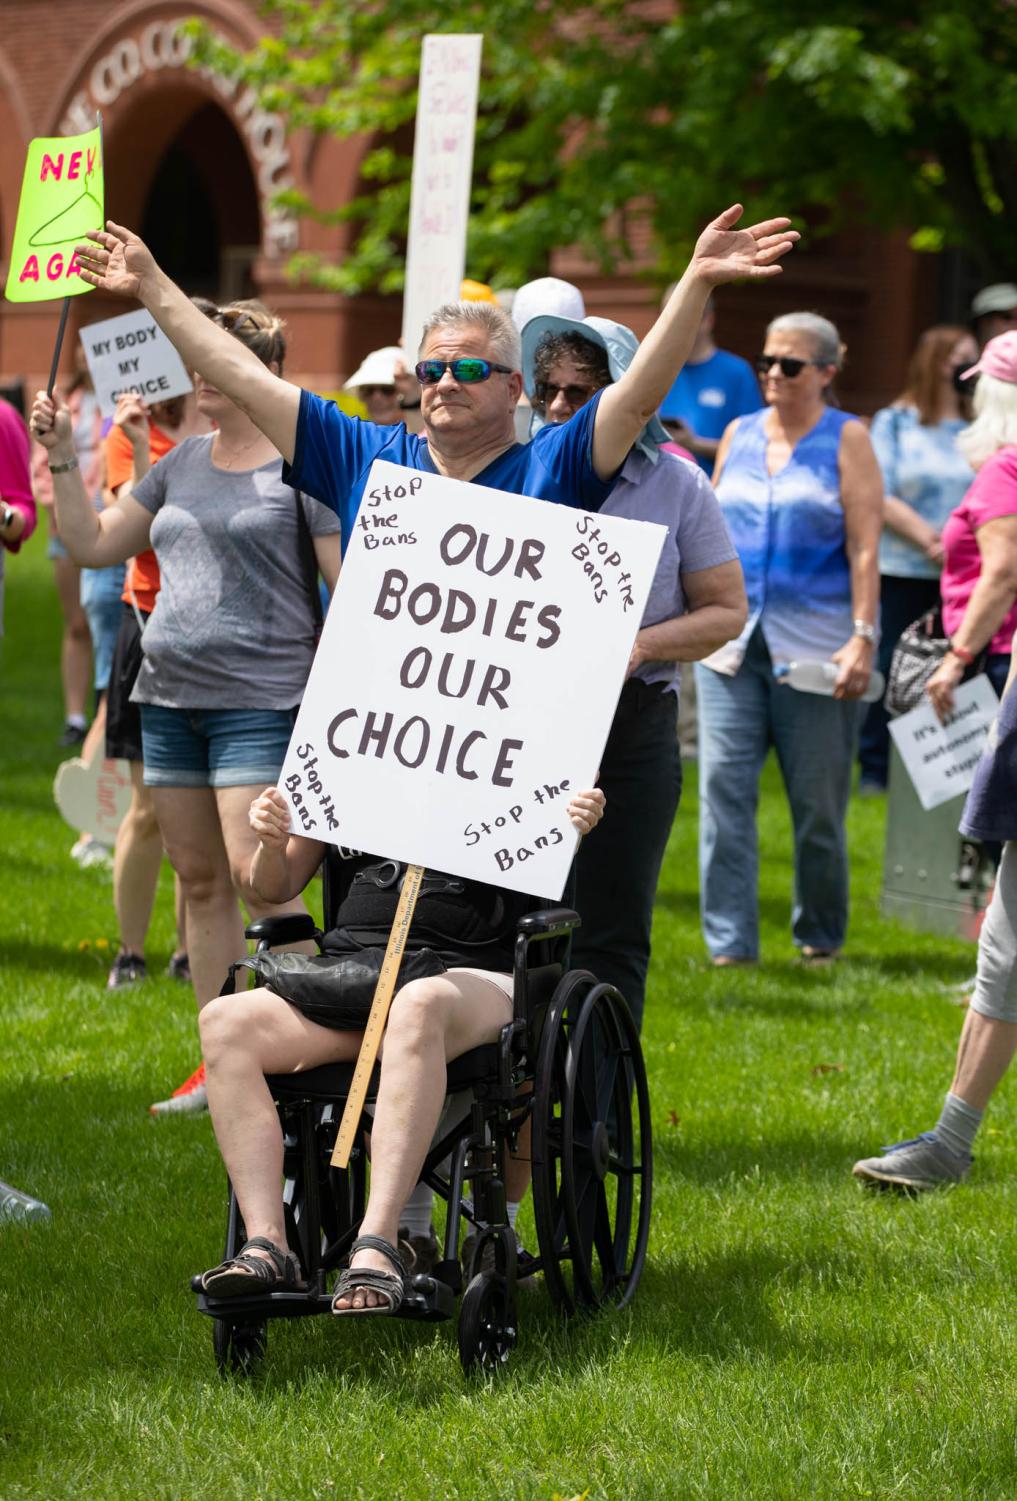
[[915, 658], [334, 990]]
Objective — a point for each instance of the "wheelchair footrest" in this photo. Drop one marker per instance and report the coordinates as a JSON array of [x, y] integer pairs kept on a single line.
[[257, 1306], [427, 1299]]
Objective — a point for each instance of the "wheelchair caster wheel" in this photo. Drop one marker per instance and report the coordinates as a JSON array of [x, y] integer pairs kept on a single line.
[[486, 1325], [238, 1347]]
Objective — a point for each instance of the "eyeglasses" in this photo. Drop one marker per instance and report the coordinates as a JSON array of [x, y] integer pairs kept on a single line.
[[366, 392], [468, 372], [545, 392], [788, 366]]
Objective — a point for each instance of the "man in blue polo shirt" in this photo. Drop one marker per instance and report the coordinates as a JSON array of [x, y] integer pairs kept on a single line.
[[470, 380], [712, 389]]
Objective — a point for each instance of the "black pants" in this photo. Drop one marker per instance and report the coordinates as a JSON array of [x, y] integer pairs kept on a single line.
[[619, 863], [901, 600]]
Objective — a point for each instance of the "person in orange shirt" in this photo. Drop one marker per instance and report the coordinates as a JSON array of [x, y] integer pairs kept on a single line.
[[139, 850]]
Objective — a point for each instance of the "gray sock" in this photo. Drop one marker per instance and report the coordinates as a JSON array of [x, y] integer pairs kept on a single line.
[[958, 1125]]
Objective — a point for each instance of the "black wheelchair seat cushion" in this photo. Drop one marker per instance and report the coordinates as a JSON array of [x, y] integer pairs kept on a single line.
[[331, 1081], [335, 990]]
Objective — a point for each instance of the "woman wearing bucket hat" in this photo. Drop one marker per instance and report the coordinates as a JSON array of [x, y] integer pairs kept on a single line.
[[989, 1036], [696, 604]]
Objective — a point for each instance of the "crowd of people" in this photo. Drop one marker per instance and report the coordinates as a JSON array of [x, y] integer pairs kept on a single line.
[[795, 533]]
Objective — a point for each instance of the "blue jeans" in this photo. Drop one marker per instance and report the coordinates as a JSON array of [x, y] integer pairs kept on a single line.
[[214, 747], [814, 737], [101, 589]]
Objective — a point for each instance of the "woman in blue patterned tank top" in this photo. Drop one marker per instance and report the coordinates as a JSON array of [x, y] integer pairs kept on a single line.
[[803, 498]]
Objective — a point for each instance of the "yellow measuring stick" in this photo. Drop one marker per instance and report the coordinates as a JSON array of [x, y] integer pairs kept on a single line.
[[375, 1029]]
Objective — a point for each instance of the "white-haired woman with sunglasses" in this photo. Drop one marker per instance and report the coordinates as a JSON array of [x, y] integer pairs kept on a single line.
[[802, 493], [230, 640]]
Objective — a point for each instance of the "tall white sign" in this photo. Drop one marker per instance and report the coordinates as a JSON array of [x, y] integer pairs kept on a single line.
[[467, 677], [442, 173]]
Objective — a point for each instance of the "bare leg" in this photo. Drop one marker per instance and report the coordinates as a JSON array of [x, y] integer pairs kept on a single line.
[[984, 1054], [430, 1021], [189, 822], [76, 644], [93, 747], [180, 909], [136, 862], [243, 1037]]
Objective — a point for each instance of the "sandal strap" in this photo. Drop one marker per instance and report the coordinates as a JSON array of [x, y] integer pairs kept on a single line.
[[377, 1243], [366, 1279], [285, 1262]]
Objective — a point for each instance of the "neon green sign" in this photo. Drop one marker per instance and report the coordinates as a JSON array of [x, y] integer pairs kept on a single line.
[[62, 197]]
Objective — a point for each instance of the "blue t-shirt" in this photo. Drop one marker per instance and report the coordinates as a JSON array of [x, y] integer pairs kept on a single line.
[[707, 396], [334, 453]]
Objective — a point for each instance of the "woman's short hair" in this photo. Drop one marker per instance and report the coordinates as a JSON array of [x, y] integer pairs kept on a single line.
[[995, 423], [589, 358], [257, 326], [502, 334], [826, 343], [923, 388]]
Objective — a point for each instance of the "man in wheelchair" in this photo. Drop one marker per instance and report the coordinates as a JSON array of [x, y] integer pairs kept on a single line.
[[456, 994]]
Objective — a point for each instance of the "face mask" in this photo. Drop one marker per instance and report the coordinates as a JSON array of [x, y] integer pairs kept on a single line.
[[964, 385]]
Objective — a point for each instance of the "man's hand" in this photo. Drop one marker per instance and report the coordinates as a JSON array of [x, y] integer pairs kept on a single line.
[[269, 817], [131, 416], [724, 253], [116, 260], [586, 810], [51, 423]]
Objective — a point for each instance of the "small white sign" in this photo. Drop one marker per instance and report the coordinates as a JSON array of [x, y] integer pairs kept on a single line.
[[941, 758], [93, 796], [466, 678], [131, 353], [442, 175]]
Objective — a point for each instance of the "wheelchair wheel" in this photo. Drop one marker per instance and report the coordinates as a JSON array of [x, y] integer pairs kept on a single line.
[[486, 1337], [592, 1162], [239, 1348]]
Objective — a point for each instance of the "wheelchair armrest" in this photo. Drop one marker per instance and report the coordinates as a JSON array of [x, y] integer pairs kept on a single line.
[[550, 922], [292, 927]]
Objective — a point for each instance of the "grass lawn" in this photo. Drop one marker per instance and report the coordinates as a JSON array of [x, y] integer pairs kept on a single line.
[[793, 1336]]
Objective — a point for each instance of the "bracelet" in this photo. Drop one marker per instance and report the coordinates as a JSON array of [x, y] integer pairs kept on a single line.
[[963, 655], [62, 468], [865, 630], [9, 514]]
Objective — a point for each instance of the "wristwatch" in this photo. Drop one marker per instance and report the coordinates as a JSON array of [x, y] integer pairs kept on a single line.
[[409, 406], [863, 629], [8, 516]]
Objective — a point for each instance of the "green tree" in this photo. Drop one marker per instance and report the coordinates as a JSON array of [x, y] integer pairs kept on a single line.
[[600, 120]]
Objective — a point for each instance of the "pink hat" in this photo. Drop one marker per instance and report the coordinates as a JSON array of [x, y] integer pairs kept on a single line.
[[998, 358]]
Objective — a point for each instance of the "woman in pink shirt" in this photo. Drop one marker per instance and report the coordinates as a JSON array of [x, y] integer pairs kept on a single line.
[[979, 580], [17, 508]]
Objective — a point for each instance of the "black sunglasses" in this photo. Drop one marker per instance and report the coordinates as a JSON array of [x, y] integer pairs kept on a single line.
[[545, 392], [468, 372], [788, 366]]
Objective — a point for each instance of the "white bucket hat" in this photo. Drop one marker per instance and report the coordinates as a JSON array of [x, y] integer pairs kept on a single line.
[[378, 369], [548, 294]]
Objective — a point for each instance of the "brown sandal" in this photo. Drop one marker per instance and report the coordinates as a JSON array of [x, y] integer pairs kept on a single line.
[[388, 1285], [245, 1273]]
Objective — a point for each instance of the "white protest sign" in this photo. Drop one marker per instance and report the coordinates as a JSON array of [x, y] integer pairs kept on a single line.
[[941, 758], [466, 678], [93, 796], [131, 353], [442, 174]]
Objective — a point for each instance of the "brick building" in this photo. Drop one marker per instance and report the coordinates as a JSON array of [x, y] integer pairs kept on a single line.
[[192, 162]]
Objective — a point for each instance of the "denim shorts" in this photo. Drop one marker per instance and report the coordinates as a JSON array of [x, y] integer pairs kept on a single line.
[[214, 747]]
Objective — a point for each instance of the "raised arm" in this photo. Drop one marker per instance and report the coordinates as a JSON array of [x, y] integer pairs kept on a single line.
[[116, 260], [93, 538], [723, 253]]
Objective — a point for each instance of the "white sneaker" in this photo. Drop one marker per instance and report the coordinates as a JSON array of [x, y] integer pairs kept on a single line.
[[190, 1099]]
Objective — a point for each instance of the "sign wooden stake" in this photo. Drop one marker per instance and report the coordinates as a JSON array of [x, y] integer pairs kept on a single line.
[[375, 1028]]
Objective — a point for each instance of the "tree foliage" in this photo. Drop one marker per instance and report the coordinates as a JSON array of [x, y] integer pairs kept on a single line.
[[602, 120]]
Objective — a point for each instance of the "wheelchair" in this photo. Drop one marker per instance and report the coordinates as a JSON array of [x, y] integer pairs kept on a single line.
[[570, 1063]]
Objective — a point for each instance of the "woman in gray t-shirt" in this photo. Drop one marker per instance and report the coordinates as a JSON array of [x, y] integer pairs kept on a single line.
[[229, 645]]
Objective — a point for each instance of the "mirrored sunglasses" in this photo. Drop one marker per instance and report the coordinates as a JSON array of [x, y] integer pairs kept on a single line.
[[468, 372]]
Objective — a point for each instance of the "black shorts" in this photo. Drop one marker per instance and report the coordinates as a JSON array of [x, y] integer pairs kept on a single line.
[[123, 719]]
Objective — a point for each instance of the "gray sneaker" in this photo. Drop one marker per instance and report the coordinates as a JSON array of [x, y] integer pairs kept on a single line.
[[919, 1164]]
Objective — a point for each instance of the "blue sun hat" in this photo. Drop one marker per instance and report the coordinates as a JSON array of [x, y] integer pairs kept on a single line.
[[620, 345]]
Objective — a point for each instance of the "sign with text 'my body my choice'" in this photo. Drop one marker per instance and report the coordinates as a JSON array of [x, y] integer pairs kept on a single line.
[[941, 758], [442, 174], [466, 678], [62, 196], [131, 353]]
